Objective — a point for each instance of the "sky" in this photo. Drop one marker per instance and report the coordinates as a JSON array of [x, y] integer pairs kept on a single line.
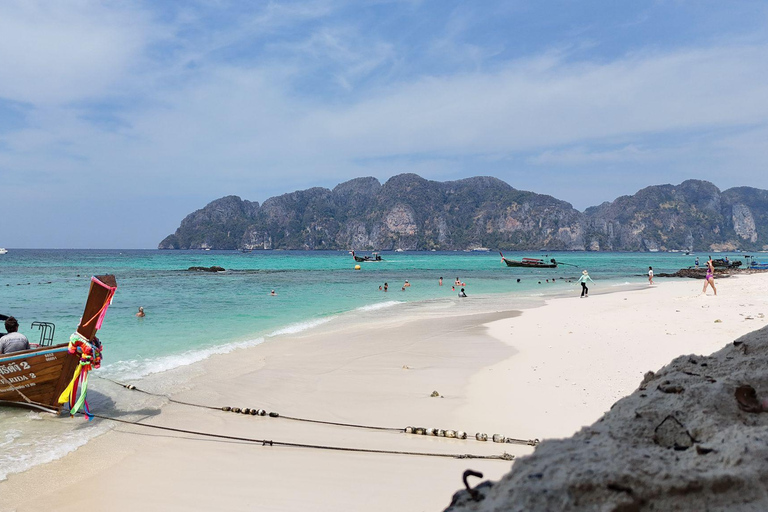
[[119, 118]]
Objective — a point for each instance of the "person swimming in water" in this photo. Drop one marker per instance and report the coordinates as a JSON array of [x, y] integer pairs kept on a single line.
[[140, 314]]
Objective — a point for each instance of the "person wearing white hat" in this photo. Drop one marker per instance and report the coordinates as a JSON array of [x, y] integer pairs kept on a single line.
[[583, 281]]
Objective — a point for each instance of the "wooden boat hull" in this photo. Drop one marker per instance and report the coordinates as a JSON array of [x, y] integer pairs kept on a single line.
[[40, 374], [513, 263], [724, 264], [363, 259]]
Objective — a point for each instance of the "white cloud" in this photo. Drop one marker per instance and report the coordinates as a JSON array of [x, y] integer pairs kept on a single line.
[[52, 52], [256, 123]]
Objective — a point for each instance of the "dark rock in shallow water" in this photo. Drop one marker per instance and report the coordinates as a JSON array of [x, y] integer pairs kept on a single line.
[[698, 273], [636, 457], [207, 269]]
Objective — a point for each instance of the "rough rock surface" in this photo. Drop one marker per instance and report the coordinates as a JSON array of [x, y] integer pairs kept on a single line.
[[680, 442], [411, 213]]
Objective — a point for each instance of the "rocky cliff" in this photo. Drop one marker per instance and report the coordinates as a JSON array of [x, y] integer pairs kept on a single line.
[[411, 213], [693, 437]]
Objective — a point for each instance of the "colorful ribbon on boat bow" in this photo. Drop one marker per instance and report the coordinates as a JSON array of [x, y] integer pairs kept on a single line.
[[90, 357]]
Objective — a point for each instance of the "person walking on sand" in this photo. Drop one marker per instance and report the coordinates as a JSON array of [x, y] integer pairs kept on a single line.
[[583, 280], [650, 275], [709, 279]]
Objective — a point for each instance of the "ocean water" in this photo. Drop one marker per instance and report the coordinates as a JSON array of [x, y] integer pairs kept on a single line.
[[192, 315]]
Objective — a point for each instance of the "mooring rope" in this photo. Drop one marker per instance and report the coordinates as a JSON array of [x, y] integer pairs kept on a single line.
[[269, 442], [497, 438]]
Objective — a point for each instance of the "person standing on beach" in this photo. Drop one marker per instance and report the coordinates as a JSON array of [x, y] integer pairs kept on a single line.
[[697, 262], [709, 279], [650, 275], [583, 280]]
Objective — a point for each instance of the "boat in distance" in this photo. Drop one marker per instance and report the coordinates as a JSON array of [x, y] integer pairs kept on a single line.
[[530, 262], [360, 259]]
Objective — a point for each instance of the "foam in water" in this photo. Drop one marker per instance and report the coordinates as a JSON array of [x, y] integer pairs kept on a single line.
[[380, 305], [134, 369], [300, 327], [24, 449]]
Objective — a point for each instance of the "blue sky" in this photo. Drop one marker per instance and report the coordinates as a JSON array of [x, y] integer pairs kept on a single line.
[[119, 118]]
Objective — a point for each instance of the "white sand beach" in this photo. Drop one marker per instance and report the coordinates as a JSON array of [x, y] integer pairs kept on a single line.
[[541, 373]]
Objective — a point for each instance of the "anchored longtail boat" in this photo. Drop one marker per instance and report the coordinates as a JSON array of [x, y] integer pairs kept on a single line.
[[530, 262], [361, 259], [47, 375]]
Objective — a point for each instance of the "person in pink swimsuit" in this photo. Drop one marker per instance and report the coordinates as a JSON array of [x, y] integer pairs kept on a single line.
[[709, 279]]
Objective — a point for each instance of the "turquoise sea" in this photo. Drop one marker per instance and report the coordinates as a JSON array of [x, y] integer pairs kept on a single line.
[[191, 315]]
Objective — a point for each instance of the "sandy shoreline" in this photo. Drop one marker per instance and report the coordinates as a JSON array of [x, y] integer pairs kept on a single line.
[[542, 374]]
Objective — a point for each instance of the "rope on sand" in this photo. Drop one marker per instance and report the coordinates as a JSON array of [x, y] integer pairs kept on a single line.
[[497, 438], [268, 442]]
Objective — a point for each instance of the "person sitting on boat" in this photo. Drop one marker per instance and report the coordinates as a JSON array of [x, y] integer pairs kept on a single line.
[[14, 341], [462, 294]]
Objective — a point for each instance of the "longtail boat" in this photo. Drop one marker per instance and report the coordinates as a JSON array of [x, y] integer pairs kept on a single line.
[[361, 259], [726, 263], [530, 262], [48, 375]]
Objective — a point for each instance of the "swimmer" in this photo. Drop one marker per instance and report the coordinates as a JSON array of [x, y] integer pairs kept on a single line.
[[462, 294], [440, 282], [273, 292], [140, 314]]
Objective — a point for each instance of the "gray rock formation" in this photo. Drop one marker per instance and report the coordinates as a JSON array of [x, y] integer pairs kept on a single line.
[[411, 213], [689, 439]]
